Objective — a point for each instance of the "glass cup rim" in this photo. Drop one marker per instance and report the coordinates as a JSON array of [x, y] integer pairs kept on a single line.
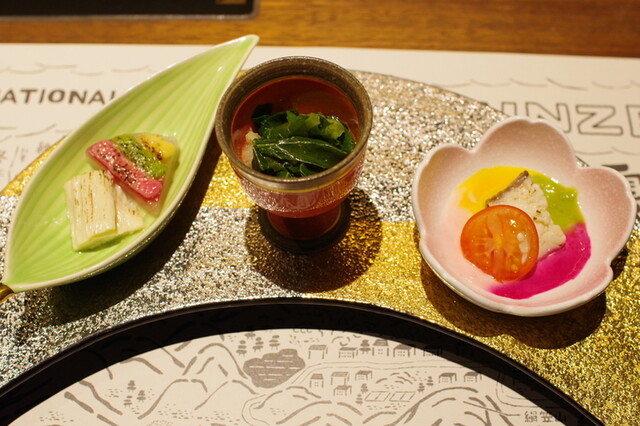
[[290, 67]]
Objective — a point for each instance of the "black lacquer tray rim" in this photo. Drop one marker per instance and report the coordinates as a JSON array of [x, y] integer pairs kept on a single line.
[[12, 390]]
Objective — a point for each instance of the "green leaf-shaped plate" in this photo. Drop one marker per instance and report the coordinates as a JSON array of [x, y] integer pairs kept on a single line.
[[181, 101]]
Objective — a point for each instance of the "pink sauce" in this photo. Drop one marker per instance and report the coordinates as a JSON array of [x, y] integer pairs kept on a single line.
[[554, 269]]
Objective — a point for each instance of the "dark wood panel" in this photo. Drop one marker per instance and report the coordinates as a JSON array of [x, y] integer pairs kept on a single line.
[[589, 27]]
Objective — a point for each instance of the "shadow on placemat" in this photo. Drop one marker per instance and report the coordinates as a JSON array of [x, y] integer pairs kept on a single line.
[[550, 332], [329, 269]]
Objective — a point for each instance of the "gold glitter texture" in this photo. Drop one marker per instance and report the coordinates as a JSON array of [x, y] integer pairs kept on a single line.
[[213, 251]]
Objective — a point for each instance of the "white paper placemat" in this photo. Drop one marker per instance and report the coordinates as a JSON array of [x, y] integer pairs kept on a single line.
[[295, 376], [48, 90]]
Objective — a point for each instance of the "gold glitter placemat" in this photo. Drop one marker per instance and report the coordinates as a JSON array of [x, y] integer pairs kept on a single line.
[[213, 251]]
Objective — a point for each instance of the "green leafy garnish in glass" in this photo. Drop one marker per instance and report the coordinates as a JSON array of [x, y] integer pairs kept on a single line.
[[290, 144]]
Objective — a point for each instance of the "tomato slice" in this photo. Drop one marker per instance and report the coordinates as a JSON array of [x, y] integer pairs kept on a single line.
[[502, 241]]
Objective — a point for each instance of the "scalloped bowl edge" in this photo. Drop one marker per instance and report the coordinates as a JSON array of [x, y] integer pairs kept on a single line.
[[604, 195]]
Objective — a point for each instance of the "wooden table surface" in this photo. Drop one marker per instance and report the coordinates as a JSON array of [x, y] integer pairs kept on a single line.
[[577, 27]]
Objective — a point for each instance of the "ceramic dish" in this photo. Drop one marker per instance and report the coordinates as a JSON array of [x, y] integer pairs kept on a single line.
[[604, 198], [307, 213], [179, 102]]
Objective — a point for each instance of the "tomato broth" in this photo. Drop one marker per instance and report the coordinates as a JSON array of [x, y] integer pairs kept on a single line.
[[306, 95]]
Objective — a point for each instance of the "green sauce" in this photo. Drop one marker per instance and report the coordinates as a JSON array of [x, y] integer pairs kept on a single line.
[[562, 201], [129, 146]]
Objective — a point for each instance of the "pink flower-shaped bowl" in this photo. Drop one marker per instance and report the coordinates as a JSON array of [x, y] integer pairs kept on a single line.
[[604, 197]]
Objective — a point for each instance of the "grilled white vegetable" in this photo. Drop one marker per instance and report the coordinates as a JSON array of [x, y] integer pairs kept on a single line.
[[99, 211], [129, 217]]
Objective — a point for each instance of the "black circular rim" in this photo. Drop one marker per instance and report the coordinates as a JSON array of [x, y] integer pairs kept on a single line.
[[65, 368]]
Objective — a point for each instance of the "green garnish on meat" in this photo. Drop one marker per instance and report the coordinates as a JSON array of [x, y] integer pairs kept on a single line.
[[131, 148], [296, 145]]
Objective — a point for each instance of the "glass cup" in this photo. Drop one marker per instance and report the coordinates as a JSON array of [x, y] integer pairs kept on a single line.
[[301, 214]]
